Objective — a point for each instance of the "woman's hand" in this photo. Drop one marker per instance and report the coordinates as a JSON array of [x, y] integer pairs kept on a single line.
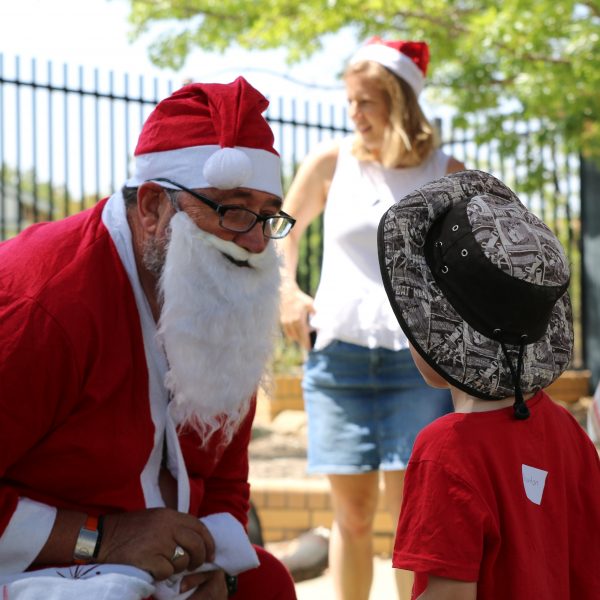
[[296, 307]]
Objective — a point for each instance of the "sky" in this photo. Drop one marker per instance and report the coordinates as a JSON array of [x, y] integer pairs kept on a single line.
[[94, 33]]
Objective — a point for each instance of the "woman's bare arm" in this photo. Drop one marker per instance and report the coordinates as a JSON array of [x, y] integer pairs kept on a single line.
[[305, 201]]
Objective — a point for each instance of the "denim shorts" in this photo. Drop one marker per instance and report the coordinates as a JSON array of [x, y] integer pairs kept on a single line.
[[365, 408]]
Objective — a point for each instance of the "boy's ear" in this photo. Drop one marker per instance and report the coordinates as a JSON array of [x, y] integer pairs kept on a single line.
[[151, 200]]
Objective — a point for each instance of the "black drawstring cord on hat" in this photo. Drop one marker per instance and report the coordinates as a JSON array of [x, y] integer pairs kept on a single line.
[[521, 409]]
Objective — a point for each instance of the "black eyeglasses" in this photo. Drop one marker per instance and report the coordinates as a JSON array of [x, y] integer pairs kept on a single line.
[[237, 218]]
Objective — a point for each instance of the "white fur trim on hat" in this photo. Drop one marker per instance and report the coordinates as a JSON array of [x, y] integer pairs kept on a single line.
[[395, 61], [212, 166], [227, 168]]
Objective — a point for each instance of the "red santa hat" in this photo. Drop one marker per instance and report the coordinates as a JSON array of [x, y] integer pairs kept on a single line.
[[210, 135], [406, 59]]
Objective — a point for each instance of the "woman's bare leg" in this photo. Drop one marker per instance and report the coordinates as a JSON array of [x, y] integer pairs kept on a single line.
[[354, 499]]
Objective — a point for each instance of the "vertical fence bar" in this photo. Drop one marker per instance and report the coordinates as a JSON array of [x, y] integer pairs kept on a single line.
[[568, 175], [126, 123], [155, 88], [331, 118], [3, 186], [82, 145], [515, 170], [306, 247], [294, 141], [542, 153], [18, 178], [319, 122], [556, 205], [34, 151], [141, 104], [111, 150], [573, 245], [501, 162], [66, 145], [97, 137], [529, 146], [282, 130], [307, 131], [50, 144]]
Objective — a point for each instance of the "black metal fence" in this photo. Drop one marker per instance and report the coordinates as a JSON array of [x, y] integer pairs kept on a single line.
[[67, 136]]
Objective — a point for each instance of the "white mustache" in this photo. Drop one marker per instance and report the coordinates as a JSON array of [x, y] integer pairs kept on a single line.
[[232, 250]]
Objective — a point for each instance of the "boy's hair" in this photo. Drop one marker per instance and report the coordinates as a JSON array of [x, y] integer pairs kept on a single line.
[[478, 284], [409, 137]]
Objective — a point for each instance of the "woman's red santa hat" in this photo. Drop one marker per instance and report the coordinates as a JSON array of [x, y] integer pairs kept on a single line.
[[210, 135], [408, 60]]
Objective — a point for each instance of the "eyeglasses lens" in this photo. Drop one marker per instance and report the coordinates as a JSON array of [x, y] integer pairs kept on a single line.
[[277, 227], [238, 219]]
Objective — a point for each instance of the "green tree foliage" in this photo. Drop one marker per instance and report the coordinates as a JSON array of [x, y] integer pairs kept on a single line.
[[525, 59]]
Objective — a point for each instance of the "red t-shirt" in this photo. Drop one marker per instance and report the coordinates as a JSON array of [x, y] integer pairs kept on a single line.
[[513, 505]]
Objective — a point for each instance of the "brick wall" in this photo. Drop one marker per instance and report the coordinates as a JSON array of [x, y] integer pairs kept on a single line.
[[287, 391], [286, 508]]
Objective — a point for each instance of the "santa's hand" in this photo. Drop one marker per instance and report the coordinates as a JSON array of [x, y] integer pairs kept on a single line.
[[209, 585], [161, 541]]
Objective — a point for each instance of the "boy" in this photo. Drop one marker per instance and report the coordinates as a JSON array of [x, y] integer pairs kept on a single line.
[[502, 497]]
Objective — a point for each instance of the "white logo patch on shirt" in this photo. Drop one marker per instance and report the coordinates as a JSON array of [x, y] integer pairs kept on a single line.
[[534, 481]]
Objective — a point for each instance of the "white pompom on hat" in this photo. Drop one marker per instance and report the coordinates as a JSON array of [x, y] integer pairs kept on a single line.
[[210, 135], [406, 59]]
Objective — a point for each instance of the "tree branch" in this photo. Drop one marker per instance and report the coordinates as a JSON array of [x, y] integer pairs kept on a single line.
[[458, 28], [439, 22], [189, 10], [189, 13], [536, 57]]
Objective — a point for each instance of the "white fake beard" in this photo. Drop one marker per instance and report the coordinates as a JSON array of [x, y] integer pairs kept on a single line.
[[218, 325]]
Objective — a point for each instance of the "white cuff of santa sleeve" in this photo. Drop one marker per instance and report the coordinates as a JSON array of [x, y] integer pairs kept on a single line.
[[25, 535]]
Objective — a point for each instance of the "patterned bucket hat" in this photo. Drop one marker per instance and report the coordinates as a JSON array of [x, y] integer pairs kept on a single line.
[[478, 284]]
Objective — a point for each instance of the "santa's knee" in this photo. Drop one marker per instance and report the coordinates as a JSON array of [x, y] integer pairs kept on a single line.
[[271, 580]]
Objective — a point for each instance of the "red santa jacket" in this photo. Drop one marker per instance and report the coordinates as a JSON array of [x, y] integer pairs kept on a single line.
[[75, 425]]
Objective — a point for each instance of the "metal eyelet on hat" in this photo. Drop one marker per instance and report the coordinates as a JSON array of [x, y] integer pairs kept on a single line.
[[464, 252], [438, 244], [455, 228], [444, 269]]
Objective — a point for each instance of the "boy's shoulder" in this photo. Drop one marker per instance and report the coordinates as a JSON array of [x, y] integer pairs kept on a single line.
[[448, 438], [438, 437]]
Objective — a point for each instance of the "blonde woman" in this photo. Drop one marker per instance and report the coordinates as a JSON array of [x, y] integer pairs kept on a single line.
[[364, 397]]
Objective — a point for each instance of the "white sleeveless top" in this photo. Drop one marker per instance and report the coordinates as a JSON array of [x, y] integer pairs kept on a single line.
[[351, 304]]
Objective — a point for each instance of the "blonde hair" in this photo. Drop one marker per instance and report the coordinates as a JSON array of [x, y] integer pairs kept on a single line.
[[409, 137]]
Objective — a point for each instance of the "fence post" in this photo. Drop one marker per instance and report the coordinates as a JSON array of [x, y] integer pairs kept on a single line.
[[590, 259]]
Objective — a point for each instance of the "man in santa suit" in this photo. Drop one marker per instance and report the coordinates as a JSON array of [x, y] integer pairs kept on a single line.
[[133, 338]]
